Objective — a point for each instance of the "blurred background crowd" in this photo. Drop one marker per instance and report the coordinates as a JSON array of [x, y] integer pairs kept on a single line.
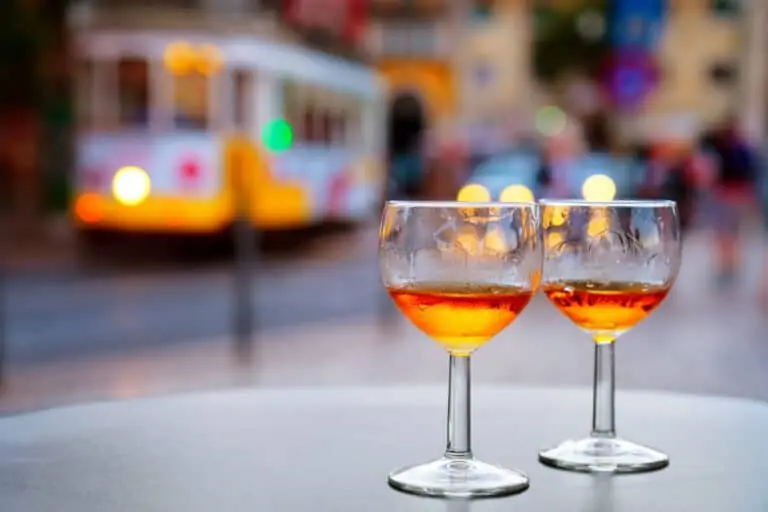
[[190, 189]]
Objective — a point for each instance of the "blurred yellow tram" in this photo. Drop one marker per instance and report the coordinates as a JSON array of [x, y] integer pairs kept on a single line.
[[174, 131]]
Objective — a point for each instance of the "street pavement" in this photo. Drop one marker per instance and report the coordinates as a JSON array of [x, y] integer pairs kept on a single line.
[[323, 324], [67, 314]]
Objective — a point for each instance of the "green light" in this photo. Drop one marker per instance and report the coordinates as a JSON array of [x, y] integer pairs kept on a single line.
[[551, 121], [277, 135]]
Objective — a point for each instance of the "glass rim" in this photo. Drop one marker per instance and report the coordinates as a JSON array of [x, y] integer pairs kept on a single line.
[[460, 204], [617, 203]]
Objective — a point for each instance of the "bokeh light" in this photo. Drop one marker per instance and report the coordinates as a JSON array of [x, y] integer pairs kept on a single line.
[[473, 193], [551, 121], [516, 194], [179, 57], [88, 208], [131, 185], [182, 58], [591, 25], [598, 187], [277, 135], [209, 60]]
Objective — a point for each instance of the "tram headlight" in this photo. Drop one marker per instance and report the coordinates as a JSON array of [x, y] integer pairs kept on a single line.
[[131, 185], [598, 187]]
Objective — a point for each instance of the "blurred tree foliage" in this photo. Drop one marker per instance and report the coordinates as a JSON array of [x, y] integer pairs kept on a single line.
[[562, 43], [32, 36], [19, 56], [56, 105], [726, 8], [36, 75]]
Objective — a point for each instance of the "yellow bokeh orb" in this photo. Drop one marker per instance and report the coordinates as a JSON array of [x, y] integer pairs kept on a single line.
[[598, 187], [179, 57], [209, 60], [516, 194], [473, 193]]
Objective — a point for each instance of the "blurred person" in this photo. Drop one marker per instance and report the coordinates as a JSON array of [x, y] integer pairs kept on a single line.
[[597, 134], [602, 158], [649, 168], [448, 169], [643, 153], [599, 156], [678, 186], [733, 188], [668, 174], [407, 172], [763, 200], [544, 175]]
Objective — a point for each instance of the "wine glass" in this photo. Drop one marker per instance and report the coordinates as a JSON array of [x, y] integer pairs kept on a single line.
[[607, 266], [460, 272]]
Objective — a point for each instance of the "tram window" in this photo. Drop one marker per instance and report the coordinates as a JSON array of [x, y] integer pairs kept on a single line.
[[191, 100], [354, 117], [133, 92], [339, 129], [326, 128], [354, 132], [241, 99], [293, 111], [310, 125]]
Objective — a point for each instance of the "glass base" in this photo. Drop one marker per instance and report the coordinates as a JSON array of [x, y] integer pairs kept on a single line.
[[604, 455], [458, 478]]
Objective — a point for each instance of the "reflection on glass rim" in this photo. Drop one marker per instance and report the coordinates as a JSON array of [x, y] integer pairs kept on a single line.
[[462, 204], [626, 203]]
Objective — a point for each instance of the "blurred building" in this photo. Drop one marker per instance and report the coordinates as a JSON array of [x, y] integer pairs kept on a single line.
[[471, 62], [701, 55], [451, 64], [335, 27], [494, 59], [412, 46]]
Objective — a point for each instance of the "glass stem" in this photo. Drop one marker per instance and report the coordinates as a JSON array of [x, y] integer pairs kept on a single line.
[[459, 435], [603, 396]]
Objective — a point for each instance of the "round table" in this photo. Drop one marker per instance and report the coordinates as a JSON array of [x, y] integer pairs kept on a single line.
[[331, 449]]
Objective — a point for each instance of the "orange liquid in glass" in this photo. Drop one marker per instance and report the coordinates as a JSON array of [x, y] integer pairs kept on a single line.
[[461, 317], [605, 309]]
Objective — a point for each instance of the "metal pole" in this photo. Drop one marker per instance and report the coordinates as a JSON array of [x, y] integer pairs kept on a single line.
[[245, 256]]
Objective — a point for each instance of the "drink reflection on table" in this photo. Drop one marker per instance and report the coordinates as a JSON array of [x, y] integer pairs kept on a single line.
[[602, 498], [458, 506]]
